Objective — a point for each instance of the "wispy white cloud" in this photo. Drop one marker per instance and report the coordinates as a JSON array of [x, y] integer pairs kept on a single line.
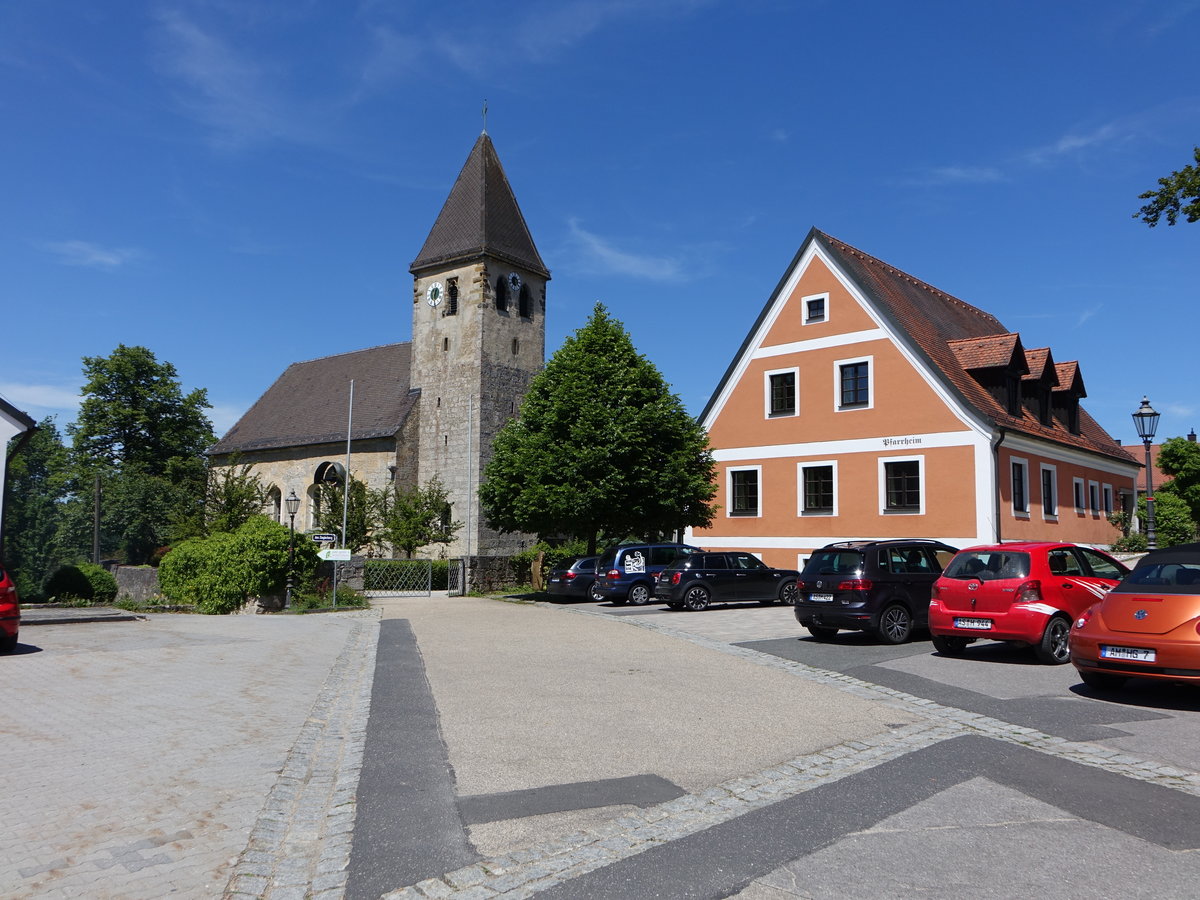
[[1074, 142], [1088, 313], [596, 254], [231, 93], [949, 175], [42, 398], [1177, 409], [89, 255]]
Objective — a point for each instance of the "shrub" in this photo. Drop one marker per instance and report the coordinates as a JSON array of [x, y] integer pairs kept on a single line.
[[85, 581], [219, 573]]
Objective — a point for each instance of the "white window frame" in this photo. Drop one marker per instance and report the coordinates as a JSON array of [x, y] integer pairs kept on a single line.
[[795, 373], [1053, 470], [1093, 498], [729, 513], [800, 467], [1015, 461], [1079, 495], [804, 309], [1106, 499], [837, 383], [883, 461]]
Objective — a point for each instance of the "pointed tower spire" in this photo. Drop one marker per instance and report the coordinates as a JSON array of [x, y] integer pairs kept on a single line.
[[480, 218]]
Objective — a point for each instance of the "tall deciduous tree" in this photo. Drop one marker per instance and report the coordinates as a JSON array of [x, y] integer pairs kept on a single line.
[[601, 446], [359, 521], [1180, 458], [409, 519], [35, 488], [144, 439], [1178, 193]]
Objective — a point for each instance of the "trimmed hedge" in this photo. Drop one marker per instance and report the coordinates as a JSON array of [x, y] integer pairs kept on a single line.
[[85, 581]]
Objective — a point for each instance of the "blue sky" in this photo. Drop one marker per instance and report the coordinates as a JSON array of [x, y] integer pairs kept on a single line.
[[239, 184]]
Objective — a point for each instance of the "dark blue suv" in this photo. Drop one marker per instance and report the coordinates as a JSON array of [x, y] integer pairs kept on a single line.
[[626, 573]]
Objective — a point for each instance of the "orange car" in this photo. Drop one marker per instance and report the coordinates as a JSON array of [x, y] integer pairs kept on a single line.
[[1148, 626]]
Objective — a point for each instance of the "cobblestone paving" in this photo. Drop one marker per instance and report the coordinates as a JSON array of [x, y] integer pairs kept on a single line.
[[300, 845], [526, 872], [138, 754]]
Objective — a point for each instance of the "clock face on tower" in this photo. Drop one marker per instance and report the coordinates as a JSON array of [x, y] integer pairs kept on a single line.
[[514, 282], [433, 294]]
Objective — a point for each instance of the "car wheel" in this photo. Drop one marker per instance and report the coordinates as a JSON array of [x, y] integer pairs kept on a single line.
[[1052, 649], [1101, 681], [594, 593], [822, 632], [696, 599], [948, 645], [639, 595], [787, 594], [895, 624]]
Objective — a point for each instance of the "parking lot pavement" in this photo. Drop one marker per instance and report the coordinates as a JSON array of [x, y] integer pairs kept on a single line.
[[945, 802], [169, 755]]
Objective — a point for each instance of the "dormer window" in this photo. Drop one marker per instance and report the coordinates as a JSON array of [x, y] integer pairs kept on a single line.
[[1012, 390]]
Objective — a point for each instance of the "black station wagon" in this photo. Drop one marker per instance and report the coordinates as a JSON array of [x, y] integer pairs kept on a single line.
[[729, 577]]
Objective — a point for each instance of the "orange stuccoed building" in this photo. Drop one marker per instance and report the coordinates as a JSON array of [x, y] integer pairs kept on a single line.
[[865, 403]]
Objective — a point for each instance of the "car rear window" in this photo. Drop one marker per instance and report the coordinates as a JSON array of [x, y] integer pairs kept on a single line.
[[1168, 578], [988, 565], [834, 562]]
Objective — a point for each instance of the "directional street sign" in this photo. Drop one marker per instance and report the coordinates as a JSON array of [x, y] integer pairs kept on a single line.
[[333, 553], [324, 538]]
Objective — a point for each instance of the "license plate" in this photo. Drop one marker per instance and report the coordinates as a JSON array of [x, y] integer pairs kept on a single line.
[[977, 624], [1138, 653], [555, 580], [820, 598]]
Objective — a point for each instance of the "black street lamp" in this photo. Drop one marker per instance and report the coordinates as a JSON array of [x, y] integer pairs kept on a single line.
[[1146, 421], [293, 506]]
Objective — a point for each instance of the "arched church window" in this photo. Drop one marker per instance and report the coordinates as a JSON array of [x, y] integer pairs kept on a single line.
[[502, 293], [451, 297], [525, 303], [275, 503]]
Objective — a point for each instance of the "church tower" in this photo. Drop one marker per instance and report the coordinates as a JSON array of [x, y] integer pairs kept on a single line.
[[478, 338]]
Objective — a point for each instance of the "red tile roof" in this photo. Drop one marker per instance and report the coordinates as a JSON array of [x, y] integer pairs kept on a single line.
[[936, 323], [990, 351], [1038, 360]]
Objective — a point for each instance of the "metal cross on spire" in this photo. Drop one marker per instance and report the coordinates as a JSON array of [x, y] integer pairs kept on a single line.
[[485, 116]]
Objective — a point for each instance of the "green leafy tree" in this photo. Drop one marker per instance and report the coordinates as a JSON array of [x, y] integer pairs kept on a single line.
[[1180, 458], [143, 439], [412, 518], [33, 508], [360, 523], [601, 446], [1178, 193], [1173, 523], [232, 494]]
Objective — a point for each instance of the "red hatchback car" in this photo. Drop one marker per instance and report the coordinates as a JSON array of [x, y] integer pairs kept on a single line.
[[1026, 593], [10, 613]]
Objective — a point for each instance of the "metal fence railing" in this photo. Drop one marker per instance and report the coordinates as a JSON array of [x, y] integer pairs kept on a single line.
[[398, 577], [456, 577]]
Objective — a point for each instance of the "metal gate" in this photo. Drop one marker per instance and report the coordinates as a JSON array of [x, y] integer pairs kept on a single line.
[[397, 577], [456, 577]]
